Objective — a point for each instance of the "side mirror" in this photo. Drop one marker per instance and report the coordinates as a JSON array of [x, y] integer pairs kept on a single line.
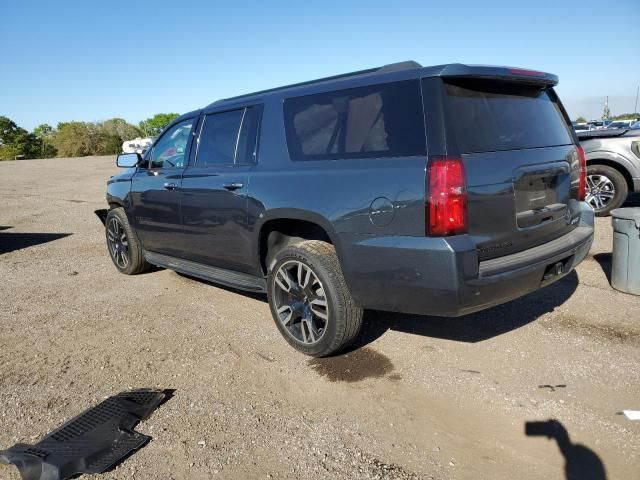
[[128, 160]]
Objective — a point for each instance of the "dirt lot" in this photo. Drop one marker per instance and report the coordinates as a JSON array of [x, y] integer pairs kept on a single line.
[[420, 397]]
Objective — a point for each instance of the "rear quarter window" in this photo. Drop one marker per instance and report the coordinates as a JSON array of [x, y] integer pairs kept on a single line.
[[485, 116], [374, 121]]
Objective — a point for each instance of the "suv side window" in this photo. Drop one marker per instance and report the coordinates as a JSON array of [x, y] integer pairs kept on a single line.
[[219, 138], [229, 137], [170, 150], [374, 121]]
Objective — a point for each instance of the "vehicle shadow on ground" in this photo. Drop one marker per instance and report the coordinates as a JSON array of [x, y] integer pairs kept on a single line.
[[581, 463], [16, 241], [475, 327], [469, 328]]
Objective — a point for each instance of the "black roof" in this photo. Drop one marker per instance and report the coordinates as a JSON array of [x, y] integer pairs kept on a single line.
[[407, 69], [392, 67]]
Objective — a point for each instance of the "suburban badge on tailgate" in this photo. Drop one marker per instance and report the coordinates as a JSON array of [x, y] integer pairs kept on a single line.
[[494, 247]]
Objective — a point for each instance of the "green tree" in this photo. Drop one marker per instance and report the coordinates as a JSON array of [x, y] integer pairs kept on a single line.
[[75, 139], [625, 116], [120, 128], [78, 139], [8, 129], [581, 120], [45, 134], [152, 127], [15, 141]]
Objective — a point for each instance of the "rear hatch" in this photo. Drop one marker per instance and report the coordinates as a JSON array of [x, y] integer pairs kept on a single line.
[[520, 160]]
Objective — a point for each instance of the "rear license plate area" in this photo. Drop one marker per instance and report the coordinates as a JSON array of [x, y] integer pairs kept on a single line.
[[541, 198]]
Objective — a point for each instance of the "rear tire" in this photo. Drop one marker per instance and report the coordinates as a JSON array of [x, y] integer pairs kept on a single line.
[[606, 189], [123, 244], [310, 301]]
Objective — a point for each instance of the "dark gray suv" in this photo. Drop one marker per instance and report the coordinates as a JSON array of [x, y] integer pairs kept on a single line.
[[432, 190]]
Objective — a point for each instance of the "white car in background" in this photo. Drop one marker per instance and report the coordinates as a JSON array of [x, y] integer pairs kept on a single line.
[[620, 124], [137, 145], [581, 127]]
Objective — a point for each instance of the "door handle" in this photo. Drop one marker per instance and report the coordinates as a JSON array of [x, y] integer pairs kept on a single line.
[[170, 186], [232, 186]]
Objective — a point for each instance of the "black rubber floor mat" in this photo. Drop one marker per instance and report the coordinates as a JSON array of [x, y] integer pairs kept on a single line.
[[92, 442]]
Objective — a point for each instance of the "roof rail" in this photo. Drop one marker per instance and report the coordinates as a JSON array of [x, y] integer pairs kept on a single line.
[[392, 67]]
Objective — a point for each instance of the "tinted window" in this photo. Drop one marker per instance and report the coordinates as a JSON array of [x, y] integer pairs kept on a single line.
[[171, 148], [218, 138], [485, 116], [373, 121], [248, 141]]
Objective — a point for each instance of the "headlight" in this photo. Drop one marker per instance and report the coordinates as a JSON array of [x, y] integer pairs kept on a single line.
[[635, 148]]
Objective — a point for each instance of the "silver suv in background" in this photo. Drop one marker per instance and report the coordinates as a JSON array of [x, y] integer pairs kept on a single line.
[[613, 166]]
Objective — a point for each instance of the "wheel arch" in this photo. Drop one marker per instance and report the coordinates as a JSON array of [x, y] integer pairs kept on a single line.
[[613, 161], [292, 224]]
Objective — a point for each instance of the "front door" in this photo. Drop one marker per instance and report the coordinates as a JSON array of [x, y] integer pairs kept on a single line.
[[155, 191], [215, 188]]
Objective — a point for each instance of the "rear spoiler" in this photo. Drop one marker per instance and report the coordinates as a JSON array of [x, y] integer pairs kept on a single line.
[[510, 74]]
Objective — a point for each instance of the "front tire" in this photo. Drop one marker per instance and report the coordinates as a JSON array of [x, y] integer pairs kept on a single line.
[[124, 248], [606, 189], [310, 301]]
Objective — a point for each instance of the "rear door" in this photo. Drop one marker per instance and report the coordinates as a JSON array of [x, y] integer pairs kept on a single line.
[[521, 164], [215, 188]]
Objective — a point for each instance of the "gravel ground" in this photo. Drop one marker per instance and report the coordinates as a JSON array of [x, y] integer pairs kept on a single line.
[[421, 397]]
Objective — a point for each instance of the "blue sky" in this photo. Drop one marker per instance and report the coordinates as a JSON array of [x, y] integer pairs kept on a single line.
[[84, 60]]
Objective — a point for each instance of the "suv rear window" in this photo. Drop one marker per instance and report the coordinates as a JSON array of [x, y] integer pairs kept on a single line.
[[486, 116], [374, 121]]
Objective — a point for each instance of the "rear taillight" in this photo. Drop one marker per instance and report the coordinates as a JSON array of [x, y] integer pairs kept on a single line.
[[582, 188], [446, 205]]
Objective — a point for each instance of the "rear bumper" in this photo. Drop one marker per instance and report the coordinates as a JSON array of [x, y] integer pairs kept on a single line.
[[636, 185], [442, 276]]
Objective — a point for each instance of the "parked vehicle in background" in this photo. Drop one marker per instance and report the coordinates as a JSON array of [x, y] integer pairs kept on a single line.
[[620, 124], [581, 127], [598, 124], [635, 125], [137, 145], [440, 190], [613, 167]]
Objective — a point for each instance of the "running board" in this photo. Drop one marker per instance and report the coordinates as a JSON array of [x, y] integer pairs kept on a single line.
[[228, 278]]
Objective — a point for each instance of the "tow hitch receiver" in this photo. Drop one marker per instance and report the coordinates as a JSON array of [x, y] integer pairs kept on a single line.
[[555, 270]]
